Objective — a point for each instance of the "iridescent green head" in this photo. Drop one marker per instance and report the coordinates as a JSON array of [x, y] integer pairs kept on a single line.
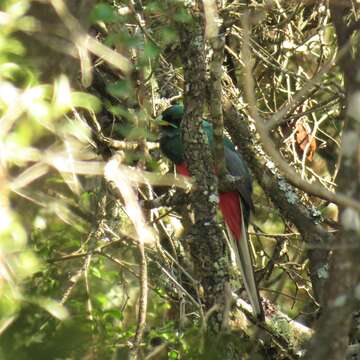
[[173, 114]]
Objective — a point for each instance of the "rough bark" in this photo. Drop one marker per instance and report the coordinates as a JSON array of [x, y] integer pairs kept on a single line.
[[216, 39], [332, 336], [207, 245]]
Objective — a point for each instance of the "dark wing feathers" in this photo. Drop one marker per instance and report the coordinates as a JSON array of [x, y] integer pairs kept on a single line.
[[236, 167], [171, 145]]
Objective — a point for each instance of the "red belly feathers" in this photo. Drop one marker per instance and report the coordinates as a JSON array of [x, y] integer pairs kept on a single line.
[[229, 205]]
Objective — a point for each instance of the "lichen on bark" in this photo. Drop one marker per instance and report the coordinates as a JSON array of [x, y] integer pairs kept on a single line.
[[207, 246]]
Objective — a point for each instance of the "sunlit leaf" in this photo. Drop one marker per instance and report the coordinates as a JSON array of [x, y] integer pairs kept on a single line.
[[62, 95], [112, 57], [173, 354], [63, 164], [5, 323], [36, 93], [72, 182], [10, 71], [6, 219], [26, 132], [29, 175], [96, 272], [28, 23], [40, 223], [12, 234], [10, 298], [54, 308], [114, 313], [11, 46], [66, 215], [8, 93], [27, 264], [101, 298], [18, 8], [78, 129], [40, 111], [86, 101]]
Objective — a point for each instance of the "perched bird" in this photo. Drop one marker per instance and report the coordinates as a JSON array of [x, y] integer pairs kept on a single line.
[[235, 206]]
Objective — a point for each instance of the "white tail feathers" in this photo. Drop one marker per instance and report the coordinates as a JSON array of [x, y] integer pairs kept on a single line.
[[244, 262]]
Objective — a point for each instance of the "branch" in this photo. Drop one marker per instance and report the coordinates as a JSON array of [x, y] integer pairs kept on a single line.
[[86, 43], [144, 234], [288, 335], [315, 189], [281, 193], [217, 43], [177, 199], [207, 247], [336, 319], [169, 199]]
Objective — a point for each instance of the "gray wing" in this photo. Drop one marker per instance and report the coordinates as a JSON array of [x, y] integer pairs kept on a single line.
[[237, 167]]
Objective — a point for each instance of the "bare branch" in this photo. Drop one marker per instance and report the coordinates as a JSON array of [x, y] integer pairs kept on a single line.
[[315, 189]]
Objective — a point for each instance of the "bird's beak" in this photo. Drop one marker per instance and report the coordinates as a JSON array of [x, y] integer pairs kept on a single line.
[[159, 121]]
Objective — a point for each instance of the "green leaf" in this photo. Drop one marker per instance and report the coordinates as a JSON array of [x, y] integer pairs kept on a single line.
[[119, 89], [102, 299], [85, 101], [114, 313], [18, 8], [27, 264], [62, 95], [168, 35], [20, 75], [160, 122], [96, 272], [11, 46], [40, 110], [150, 50], [123, 39], [153, 6], [103, 12], [182, 17], [173, 354], [118, 110]]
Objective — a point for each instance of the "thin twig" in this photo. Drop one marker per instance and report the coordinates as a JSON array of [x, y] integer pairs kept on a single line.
[[315, 189]]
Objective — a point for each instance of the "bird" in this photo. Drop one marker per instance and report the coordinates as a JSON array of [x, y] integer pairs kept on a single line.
[[235, 206]]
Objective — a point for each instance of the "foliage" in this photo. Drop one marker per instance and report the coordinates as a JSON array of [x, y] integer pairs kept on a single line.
[[70, 261]]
